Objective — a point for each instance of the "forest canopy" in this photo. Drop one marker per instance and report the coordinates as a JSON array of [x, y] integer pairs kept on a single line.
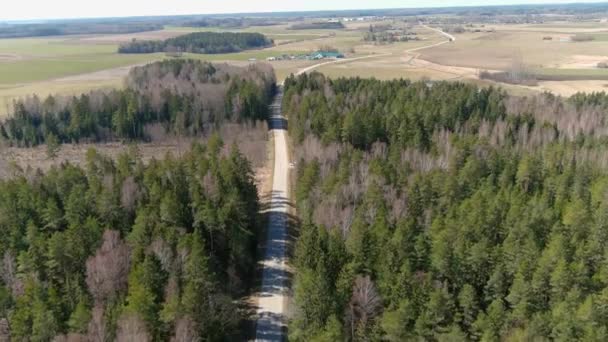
[[200, 42], [126, 251], [447, 212], [327, 25]]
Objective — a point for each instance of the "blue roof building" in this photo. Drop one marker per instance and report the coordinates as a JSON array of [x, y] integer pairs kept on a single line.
[[326, 54]]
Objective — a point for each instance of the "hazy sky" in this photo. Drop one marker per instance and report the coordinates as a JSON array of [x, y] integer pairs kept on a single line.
[[44, 9]]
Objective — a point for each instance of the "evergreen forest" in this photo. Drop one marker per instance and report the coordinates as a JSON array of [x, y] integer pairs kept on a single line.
[[200, 42], [446, 212]]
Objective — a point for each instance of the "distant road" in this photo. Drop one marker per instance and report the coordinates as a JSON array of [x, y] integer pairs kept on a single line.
[[339, 61], [447, 35], [450, 38]]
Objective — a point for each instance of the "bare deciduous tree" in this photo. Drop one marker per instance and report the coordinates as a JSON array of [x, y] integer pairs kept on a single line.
[[71, 337], [163, 252], [250, 137], [155, 132], [132, 328], [185, 330], [365, 304], [108, 269], [210, 186], [5, 331], [9, 274], [129, 193], [96, 331]]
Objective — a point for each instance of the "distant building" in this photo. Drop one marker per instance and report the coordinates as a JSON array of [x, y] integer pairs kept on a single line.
[[252, 60], [326, 54]]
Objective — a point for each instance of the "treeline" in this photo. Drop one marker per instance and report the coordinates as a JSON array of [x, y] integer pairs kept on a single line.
[[231, 22], [326, 25], [445, 212], [527, 78], [126, 251], [178, 97], [387, 34], [75, 27], [200, 42]]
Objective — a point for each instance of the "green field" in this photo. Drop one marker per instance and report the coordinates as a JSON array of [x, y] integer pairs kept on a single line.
[[50, 47], [41, 65], [26, 71], [571, 74], [30, 60], [600, 37]]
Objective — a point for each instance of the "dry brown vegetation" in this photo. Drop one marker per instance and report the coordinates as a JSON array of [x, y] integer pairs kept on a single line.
[[517, 73], [582, 38], [108, 270], [251, 139]]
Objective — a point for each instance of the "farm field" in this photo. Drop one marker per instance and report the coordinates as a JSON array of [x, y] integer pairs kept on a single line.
[[30, 60], [498, 50], [69, 65], [68, 86], [73, 64], [556, 27]]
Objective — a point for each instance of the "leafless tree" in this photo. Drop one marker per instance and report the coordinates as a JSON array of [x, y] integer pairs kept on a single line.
[[9, 274], [155, 132], [210, 185], [185, 330], [365, 304], [163, 253], [5, 331], [96, 331], [250, 137], [108, 269], [132, 328], [312, 149], [71, 337], [129, 193], [397, 203], [172, 288]]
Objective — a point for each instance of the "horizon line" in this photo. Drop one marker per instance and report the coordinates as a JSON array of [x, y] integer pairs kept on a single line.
[[261, 13]]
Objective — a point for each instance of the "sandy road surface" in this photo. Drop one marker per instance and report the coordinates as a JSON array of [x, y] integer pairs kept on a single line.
[[447, 35], [271, 322]]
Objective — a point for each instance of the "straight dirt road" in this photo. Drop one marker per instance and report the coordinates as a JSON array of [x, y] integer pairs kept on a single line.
[[339, 61], [271, 322], [271, 300], [450, 37]]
